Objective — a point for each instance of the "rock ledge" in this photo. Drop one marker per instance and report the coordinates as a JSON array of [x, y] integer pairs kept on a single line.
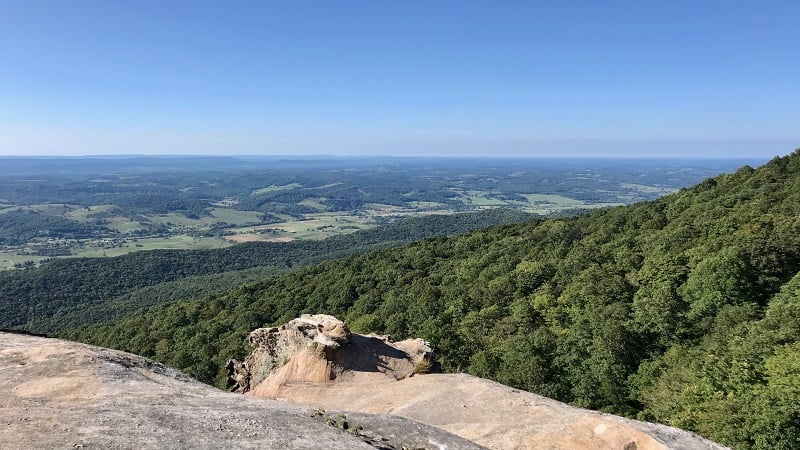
[[319, 348], [315, 360]]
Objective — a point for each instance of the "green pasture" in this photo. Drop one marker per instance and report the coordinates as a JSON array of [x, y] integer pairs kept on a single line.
[[274, 188], [314, 226], [9, 258], [233, 216], [118, 223], [481, 198], [315, 203], [330, 185], [425, 205], [177, 242], [83, 214], [123, 224], [557, 200], [217, 215], [53, 209], [382, 210], [174, 219]]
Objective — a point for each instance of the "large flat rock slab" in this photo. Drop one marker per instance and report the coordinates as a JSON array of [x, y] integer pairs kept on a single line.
[[492, 414], [60, 394]]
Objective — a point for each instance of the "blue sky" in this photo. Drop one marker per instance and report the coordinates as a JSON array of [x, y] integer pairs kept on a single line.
[[527, 78]]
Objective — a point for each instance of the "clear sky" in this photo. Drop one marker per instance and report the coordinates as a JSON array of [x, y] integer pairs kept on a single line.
[[401, 77]]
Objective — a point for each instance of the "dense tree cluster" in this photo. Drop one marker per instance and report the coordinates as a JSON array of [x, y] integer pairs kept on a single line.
[[71, 292], [19, 227], [684, 310]]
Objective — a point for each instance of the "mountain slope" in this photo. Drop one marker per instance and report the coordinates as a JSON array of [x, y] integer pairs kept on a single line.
[[682, 310]]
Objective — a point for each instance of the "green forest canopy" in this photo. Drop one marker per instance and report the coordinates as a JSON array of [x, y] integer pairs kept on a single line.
[[67, 293], [683, 310]]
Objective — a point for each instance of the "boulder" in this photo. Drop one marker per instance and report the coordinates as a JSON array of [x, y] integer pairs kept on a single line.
[[320, 348]]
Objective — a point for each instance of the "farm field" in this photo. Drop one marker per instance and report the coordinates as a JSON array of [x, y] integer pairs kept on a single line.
[[177, 242]]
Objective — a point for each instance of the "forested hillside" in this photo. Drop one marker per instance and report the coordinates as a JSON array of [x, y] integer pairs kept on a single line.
[[684, 310], [71, 292]]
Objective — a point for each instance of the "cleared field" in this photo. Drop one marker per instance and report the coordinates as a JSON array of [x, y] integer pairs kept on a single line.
[[315, 203], [556, 200], [547, 204], [481, 198], [299, 225], [274, 188], [326, 224], [56, 209], [382, 210], [233, 216], [115, 222], [123, 224], [178, 242], [173, 219], [83, 214], [426, 205], [239, 238], [313, 227], [9, 259], [533, 202], [53, 209], [330, 185]]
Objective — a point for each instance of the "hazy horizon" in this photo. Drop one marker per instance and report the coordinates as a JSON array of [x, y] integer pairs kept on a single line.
[[748, 160], [734, 150]]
